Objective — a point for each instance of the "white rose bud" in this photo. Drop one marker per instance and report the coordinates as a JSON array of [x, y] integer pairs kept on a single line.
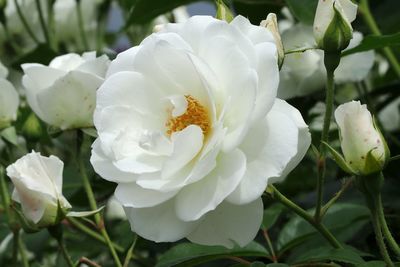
[[365, 150], [332, 24], [9, 99], [63, 94], [38, 188], [271, 24]]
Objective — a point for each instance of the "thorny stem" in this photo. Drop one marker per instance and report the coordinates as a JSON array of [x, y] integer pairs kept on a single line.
[[270, 246], [300, 50], [305, 215], [83, 228], [331, 62], [92, 202]]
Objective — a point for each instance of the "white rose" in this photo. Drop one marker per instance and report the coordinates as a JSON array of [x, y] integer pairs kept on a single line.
[[358, 137], [67, 24], [38, 187], [9, 99], [304, 73], [190, 128], [63, 94], [332, 24], [31, 15]]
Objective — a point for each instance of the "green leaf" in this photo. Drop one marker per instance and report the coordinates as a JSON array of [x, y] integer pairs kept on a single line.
[[277, 265], [372, 264], [10, 135], [371, 42], [271, 214], [343, 219], [84, 213], [188, 254], [303, 10], [144, 11], [330, 254]]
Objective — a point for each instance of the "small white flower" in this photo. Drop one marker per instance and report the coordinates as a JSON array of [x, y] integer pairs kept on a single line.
[[38, 187], [359, 137], [63, 94], [190, 128], [332, 24], [9, 99], [67, 24], [304, 73]]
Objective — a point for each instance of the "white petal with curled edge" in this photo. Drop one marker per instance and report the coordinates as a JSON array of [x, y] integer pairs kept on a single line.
[[194, 200], [127, 88], [123, 61], [304, 138], [269, 147], [41, 76], [33, 204], [229, 225], [104, 166], [268, 79], [70, 101], [135, 196], [159, 223], [187, 144]]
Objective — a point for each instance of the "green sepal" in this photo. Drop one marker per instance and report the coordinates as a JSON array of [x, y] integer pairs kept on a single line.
[[339, 159], [10, 135], [32, 128], [372, 165], [80, 214], [385, 145], [223, 11], [28, 226], [338, 34], [91, 131]]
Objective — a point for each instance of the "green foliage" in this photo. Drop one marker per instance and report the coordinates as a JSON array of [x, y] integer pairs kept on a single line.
[[303, 10], [373, 42], [188, 254]]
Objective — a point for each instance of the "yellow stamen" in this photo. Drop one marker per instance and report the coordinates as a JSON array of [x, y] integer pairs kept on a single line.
[[195, 114]]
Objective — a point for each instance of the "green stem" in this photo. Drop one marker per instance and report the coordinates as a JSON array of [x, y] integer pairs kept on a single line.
[[5, 197], [397, 157], [25, 23], [306, 216], [301, 50], [81, 26], [332, 201], [42, 22], [50, 25], [92, 203], [371, 23], [22, 252], [331, 62], [15, 247], [129, 254], [83, 228], [379, 237], [385, 229], [270, 246], [65, 253]]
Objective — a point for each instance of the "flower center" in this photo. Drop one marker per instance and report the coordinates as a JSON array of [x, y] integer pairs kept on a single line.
[[195, 114]]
